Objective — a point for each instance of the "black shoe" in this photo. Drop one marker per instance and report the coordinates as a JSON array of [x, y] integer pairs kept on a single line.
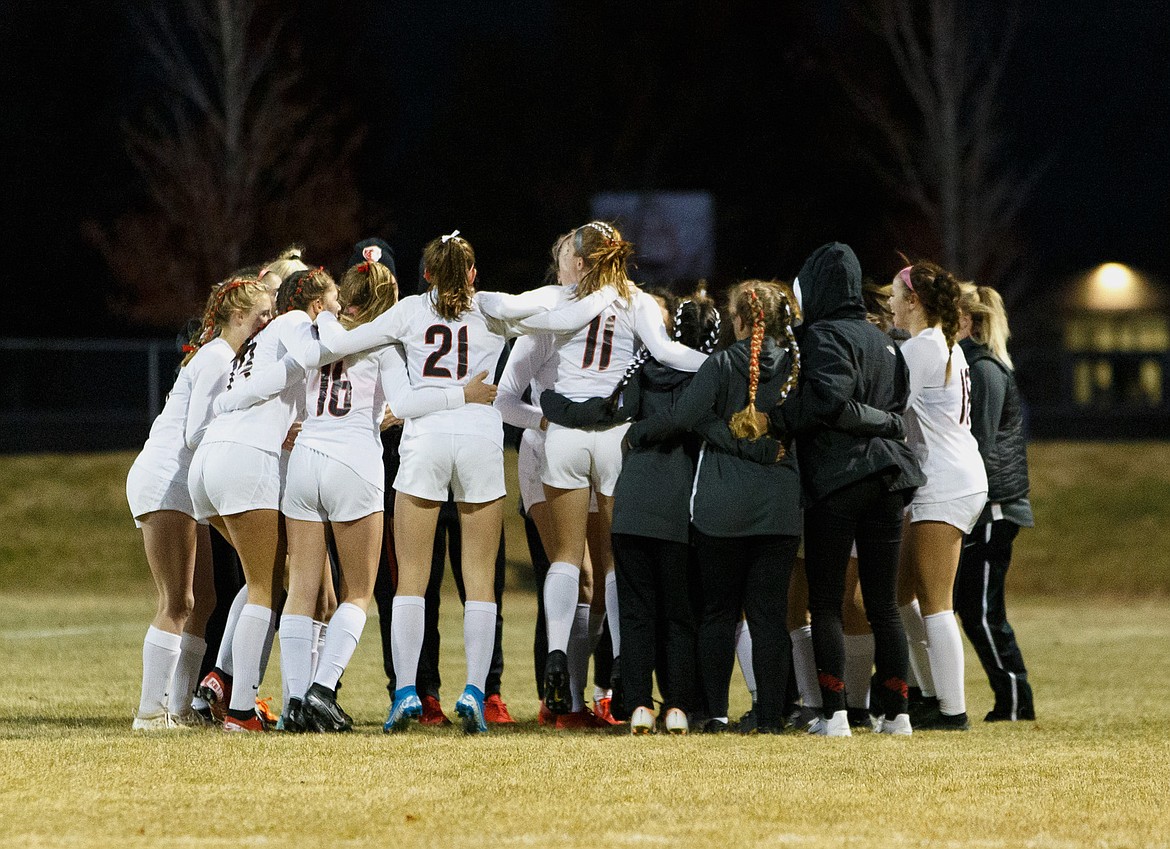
[[617, 705], [294, 717], [801, 718], [939, 721], [998, 715], [922, 708], [770, 729], [556, 683], [715, 726], [747, 723], [322, 713], [860, 718]]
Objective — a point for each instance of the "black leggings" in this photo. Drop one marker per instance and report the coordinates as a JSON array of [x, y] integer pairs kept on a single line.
[[868, 513], [654, 604], [747, 575]]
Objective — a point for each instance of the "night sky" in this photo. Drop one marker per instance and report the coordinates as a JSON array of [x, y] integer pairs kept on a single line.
[[502, 119]]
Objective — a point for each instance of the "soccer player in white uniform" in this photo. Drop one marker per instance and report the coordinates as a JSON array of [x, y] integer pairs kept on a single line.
[[177, 549], [925, 302], [448, 337], [236, 480], [590, 362]]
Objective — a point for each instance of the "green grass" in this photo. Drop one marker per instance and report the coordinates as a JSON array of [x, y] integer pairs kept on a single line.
[[1088, 591]]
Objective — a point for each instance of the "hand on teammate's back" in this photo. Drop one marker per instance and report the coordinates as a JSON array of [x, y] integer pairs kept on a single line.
[[477, 391]]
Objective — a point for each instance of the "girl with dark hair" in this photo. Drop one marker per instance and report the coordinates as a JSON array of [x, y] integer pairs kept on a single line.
[[745, 514], [998, 428], [449, 338], [925, 303], [177, 545]]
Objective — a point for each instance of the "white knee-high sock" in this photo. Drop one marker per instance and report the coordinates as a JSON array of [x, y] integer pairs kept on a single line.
[[578, 655], [479, 639], [296, 653], [406, 637], [223, 658], [561, 587], [611, 612], [266, 652], [858, 669], [804, 664], [945, 647], [186, 674], [247, 646], [345, 629], [743, 653], [160, 655], [911, 616], [315, 649]]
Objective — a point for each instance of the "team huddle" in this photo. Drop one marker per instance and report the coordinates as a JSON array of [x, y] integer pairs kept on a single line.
[[783, 481]]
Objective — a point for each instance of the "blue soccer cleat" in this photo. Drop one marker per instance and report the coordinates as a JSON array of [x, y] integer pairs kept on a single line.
[[470, 707], [407, 706]]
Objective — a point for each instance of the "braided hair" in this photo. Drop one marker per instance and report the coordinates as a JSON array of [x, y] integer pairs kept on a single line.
[[301, 288], [238, 292], [771, 314], [448, 261], [939, 292]]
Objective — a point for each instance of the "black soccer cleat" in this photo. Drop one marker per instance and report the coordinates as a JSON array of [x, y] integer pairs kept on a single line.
[[322, 713], [939, 721], [556, 683], [293, 718]]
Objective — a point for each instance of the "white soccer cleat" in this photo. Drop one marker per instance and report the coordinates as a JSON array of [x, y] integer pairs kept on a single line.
[[161, 720], [899, 725], [835, 726], [676, 721], [642, 721]]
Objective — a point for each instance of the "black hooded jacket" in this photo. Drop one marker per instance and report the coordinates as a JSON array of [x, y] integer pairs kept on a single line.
[[846, 414]]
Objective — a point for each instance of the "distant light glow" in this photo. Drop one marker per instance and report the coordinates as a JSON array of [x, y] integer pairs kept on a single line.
[[1114, 277]]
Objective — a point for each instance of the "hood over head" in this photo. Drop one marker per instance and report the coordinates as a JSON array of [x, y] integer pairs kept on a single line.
[[830, 284]]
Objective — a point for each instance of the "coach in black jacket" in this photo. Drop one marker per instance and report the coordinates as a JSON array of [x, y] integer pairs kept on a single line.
[[998, 426], [857, 474]]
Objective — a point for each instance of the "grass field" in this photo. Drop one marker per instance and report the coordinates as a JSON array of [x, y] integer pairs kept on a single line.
[[1090, 587]]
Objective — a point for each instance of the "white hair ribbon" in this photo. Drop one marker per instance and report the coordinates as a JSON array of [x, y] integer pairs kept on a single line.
[[450, 236]]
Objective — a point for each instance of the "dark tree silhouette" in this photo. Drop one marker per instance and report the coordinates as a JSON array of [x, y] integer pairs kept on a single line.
[[237, 153]]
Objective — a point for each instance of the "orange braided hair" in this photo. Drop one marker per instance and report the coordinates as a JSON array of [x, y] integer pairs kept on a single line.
[[213, 313], [745, 423]]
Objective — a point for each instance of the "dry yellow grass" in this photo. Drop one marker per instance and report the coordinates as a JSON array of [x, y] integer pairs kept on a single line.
[[1090, 772]]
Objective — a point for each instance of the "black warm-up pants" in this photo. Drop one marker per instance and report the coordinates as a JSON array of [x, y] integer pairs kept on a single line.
[[868, 513], [748, 575], [229, 577], [654, 604], [979, 601]]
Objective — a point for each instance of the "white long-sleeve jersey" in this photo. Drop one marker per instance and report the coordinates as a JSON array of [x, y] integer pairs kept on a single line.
[[180, 426], [263, 425], [938, 419]]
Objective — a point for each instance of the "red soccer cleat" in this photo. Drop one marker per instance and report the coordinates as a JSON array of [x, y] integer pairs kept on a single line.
[[601, 711], [216, 690], [433, 712], [264, 711], [496, 712], [581, 720], [545, 716], [252, 725]]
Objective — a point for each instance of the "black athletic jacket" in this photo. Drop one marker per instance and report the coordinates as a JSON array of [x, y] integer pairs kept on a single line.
[[733, 496], [997, 423], [846, 414], [652, 497]]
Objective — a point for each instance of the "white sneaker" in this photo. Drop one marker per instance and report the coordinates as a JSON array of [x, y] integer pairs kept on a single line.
[[159, 721], [900, 725], [642, 722], [676, 721], [835, 726]]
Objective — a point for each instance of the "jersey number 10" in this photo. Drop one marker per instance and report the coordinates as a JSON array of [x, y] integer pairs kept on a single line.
[[441, 333], [335, 390]]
